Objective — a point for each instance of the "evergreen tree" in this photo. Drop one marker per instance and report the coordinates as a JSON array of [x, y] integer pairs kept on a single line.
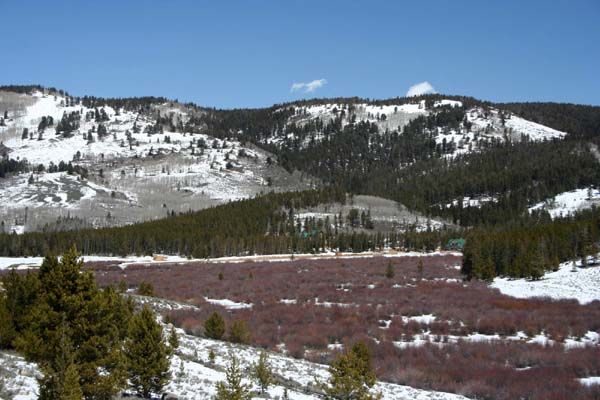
[[147, 354], [485, 269], [211, 356], [146, 289], [233, 388], [239, 332], [173, 340], [352, 376], [214, 326], [61, 377], [7, 329], [94, 321], [389, 271], [420, 268], [262, 372], [19, 297], [71, 388]]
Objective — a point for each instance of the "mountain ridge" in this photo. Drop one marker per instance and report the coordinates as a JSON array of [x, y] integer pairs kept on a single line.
[[105, 148]]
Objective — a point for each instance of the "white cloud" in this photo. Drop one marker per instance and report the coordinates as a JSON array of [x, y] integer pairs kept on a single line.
[[420, 88], [308, 87]]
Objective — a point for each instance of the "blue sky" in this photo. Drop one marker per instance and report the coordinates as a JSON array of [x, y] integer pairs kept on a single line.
[[250, 53]]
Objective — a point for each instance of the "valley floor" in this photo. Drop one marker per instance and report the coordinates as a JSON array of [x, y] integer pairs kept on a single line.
[[427, 328]]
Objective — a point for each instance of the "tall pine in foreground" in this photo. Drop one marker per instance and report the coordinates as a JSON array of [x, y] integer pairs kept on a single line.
[[147, 354], [72, 329]]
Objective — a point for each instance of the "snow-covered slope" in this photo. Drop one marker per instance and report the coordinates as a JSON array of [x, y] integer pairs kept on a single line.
[[138, 170], [514, 127], [386, 117], [53, 148], [485, 124], [194, 377], [490, 125], [18, 378], [568, 203], [569, 282]]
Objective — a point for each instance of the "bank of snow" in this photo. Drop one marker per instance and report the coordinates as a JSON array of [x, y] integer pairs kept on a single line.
[[590, 381], [124, 262], [34, 262], [582, 284], [568, 203], [18, 378]]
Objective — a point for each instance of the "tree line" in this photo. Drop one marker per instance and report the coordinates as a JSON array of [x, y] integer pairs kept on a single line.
[[531, 246], [261, 225], [11, 166]]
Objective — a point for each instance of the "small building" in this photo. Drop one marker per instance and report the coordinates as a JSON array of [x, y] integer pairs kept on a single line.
[[456, 244]]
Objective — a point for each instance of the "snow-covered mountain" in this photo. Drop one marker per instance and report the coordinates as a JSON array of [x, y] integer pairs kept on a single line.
[[105, 165], [134, 169], [481, 125], [568, 203]]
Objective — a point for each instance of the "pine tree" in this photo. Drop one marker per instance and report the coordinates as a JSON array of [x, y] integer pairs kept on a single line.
[[146, 289], [389, 272], [486, 269], [7, 329], [94, 322], [71, 387], [20, 295], [420, 269], [233, 388], [262, 372], [173, 340], [214, 326], [147, 354], [537, 263], [239, 332], [352, 376], [61, 377]]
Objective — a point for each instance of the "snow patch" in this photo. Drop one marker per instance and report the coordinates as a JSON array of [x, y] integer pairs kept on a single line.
[[228, 304], [568, 203], [582, 284]]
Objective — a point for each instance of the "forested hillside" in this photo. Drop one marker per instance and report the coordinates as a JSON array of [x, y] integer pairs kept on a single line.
[[263, 225], [435, 160], [477, 164], [581, 121]]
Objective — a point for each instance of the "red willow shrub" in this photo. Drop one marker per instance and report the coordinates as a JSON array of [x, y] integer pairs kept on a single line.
[[340, 301]]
